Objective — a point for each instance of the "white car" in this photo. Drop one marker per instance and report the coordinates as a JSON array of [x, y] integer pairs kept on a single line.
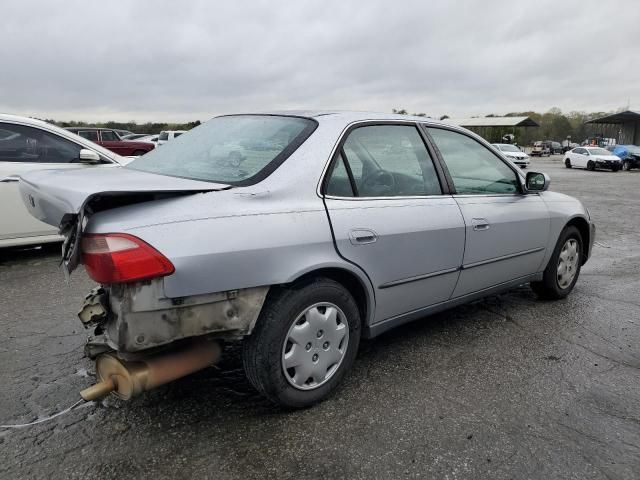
[[592, 158], [167, 135], [27, 144], [513, 153]]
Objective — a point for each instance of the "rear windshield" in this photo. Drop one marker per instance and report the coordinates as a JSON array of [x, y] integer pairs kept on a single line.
[[234, 150]]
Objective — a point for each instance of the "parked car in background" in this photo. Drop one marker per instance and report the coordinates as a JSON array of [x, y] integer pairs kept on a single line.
[[569, 146], [122, 133], [540, 149], [108, 138], [513, 153], [555, 148], [299, 234], [149, 138], [167, 135], [592, 158], [629, 154], [135, 136], [27, 145]]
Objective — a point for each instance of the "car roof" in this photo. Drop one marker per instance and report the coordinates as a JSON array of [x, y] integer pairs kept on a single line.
[[347, 116]]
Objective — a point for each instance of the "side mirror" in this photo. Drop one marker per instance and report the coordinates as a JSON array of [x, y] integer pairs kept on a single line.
[[537, 182], [89, 156]]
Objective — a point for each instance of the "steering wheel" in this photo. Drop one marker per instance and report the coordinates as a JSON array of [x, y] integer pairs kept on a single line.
[[379, 183]]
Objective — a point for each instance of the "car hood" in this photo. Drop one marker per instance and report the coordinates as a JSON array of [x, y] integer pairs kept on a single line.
[[606, 157], [65, 198], [516, 154]]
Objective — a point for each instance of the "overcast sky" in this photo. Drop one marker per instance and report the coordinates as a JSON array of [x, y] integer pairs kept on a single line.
[[188, 60]]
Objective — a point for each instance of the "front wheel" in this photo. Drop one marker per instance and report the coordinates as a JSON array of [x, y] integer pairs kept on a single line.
[[567, 163], [626, 165], [304, 342], [591, 166], [563, 268]]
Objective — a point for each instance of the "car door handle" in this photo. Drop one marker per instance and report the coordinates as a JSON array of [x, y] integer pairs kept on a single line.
[[362, 236], [10, 178], [480, 224]]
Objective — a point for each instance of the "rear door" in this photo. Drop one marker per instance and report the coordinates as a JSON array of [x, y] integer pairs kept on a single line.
[[24, 149], [506, 231], [390, 217]]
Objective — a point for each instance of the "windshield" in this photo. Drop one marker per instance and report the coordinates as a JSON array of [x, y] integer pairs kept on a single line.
[[599, 151], [509, 148], [234, 150]]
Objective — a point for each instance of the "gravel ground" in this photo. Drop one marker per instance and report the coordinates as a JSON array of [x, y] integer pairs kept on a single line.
[[507, 387]]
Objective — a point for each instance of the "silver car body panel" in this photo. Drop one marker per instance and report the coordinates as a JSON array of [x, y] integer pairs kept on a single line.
[[225, 239]]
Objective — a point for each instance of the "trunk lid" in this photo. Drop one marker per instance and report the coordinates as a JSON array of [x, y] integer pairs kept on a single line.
[[65, 198]]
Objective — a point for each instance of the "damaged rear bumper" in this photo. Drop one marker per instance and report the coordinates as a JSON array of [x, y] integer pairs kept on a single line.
[[137, 317]]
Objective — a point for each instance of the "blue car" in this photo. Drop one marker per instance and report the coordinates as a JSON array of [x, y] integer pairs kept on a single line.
[[629, 154]]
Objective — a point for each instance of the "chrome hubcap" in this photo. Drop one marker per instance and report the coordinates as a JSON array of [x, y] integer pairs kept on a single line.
[[568, 263], [315, 346]]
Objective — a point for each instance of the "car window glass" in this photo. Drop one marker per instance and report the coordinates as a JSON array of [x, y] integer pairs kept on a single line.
[[109, 136], [339, 184], [163, 136], [474, 169], [89, 135], [19, 143], [177, 134], [390, 161]]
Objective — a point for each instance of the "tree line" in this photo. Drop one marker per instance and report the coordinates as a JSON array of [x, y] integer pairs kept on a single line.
[[554, 125], [149, 127]]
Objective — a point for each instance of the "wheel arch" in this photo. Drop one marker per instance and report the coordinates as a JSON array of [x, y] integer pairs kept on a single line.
[[357, 286], [583, 227]]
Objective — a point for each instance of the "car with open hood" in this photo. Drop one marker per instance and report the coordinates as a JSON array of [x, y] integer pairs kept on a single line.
[[513, 153], [297, 234]]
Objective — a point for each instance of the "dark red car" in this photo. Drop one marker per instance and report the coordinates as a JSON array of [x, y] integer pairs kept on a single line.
[[109, 139]]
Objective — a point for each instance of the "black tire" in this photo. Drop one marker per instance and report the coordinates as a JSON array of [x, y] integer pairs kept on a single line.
[[567, 163], [591, 166], [549, 288], [137, 153], [263, 349], [626, 165]]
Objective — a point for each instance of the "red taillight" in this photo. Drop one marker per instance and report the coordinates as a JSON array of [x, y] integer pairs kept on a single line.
[[122, 258]]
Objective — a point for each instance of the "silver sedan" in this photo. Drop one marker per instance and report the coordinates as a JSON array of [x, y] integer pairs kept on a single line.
[[298, 234]]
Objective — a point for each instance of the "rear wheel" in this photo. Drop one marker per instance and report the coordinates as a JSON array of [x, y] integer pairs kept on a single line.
[[591, 166], [567, 163], [303, 344], [563, 268]]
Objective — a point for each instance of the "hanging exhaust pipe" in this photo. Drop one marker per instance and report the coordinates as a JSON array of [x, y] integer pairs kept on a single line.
[[126, 379]]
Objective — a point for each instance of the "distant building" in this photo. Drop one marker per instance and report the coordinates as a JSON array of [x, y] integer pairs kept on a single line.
[[623, 126]]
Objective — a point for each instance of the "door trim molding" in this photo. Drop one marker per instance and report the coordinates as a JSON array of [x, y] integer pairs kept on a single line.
[[501, 258], [416, 278]]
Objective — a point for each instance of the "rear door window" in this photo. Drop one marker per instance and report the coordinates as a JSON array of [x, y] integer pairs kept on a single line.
[[89, 135], [388, 161]]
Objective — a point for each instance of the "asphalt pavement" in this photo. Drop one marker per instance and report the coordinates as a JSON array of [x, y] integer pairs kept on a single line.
[[507, 387]]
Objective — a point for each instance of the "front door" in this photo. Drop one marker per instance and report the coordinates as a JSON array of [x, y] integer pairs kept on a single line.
[[506, 231], [390, 217]]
